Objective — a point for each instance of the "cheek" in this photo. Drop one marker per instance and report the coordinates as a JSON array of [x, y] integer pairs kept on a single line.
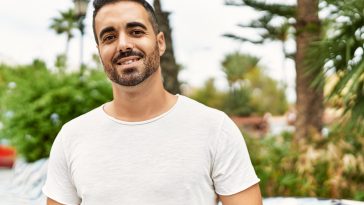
[[106, 54]]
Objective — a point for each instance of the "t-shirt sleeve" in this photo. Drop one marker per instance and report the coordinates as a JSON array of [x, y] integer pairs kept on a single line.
[[232, 170], [59, 185]]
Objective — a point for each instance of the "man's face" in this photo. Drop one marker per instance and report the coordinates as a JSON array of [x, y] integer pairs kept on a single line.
[[129, 49]]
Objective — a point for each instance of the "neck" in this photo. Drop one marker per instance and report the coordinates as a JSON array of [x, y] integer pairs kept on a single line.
[[142, 102]]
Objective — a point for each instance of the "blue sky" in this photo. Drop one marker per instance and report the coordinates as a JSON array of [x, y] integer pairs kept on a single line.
[[197, 34]]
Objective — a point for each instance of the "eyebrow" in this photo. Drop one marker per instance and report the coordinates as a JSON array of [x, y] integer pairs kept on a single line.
[[135, 24], [106, 30], [128, 25]]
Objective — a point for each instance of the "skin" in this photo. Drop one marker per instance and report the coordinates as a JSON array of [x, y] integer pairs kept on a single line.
[[250, 196], [52, 202], [125, 26], [147, 99]]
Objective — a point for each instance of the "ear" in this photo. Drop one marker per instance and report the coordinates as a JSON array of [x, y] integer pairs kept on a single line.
[[161, 43]]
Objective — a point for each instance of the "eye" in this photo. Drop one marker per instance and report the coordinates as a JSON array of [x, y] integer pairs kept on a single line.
[[108, 38], [137, 33]]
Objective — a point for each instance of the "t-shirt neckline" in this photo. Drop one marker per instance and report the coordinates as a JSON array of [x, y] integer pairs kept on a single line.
[[144, 121]]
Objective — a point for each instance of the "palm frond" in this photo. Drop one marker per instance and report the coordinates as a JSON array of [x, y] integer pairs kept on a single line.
[[243, 39], [283, 10]]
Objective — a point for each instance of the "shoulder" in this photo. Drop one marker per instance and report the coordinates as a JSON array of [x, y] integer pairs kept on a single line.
[[191, 105], [83, 122], [88, 117], [200, 113], [210, 117]]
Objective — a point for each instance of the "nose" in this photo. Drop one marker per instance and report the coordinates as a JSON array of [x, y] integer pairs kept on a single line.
[[125, 43]]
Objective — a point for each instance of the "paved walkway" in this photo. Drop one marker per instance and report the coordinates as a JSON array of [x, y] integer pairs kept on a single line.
[[5, 175]]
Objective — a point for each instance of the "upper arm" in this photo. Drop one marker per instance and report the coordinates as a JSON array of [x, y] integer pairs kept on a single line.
[[59, 184], [232, 170], [52, 202], [251, 196]]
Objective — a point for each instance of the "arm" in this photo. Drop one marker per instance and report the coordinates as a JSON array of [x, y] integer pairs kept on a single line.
[[59, 184], [251, 196], [52, 202]]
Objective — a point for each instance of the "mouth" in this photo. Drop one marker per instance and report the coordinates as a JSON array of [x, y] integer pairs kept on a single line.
[[128, 60]]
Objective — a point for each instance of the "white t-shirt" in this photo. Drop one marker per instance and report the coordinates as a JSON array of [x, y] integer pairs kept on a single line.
[[184, 156]]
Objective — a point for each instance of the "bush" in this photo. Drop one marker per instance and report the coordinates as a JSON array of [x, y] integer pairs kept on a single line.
[[238, 102], [35, 103], [209, 95], [332, 167], [258, 95]]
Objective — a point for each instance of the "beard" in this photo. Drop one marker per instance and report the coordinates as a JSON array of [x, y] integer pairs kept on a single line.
[[133, 76]]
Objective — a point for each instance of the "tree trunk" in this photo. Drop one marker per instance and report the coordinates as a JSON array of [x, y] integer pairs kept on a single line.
[[309, 99], [67, 47], [170, 69]]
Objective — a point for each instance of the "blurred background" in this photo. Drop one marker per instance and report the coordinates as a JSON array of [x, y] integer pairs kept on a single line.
[[289, 73]]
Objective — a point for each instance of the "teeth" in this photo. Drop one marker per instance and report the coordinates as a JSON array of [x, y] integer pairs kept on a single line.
[[129, 61]]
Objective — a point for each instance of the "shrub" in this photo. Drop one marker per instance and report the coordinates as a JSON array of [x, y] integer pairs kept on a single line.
[[331, 167], [35, 103]]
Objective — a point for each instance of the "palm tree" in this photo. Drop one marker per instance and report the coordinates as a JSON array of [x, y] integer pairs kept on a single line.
[[309, 98], [341, 52], [168, 61], [236, 66], [65, 24], [301, 23]]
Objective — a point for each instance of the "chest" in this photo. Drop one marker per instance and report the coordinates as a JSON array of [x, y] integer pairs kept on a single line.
[[144, 166]]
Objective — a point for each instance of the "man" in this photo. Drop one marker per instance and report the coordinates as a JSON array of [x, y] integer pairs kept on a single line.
[[146, 146]]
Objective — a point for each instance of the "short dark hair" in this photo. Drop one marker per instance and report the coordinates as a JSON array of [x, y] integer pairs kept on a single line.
[[98, 4]]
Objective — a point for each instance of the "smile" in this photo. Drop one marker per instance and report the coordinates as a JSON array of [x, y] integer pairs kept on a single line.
[[128, 60]]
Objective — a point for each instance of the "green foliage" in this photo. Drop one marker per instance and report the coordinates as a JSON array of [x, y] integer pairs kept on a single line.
[[277, 22], [259, 99], [341, 53], [61, 62], [65, 23], [251, 92], [273, 8], [238, 102], [36, 102], [266, 94], [209, 95], [236, 66], [329, 168]]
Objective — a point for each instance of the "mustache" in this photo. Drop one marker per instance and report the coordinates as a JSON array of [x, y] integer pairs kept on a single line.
[[124, 54]]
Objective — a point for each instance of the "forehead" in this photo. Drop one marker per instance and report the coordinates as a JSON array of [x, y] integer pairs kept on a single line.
[[120, 13]]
